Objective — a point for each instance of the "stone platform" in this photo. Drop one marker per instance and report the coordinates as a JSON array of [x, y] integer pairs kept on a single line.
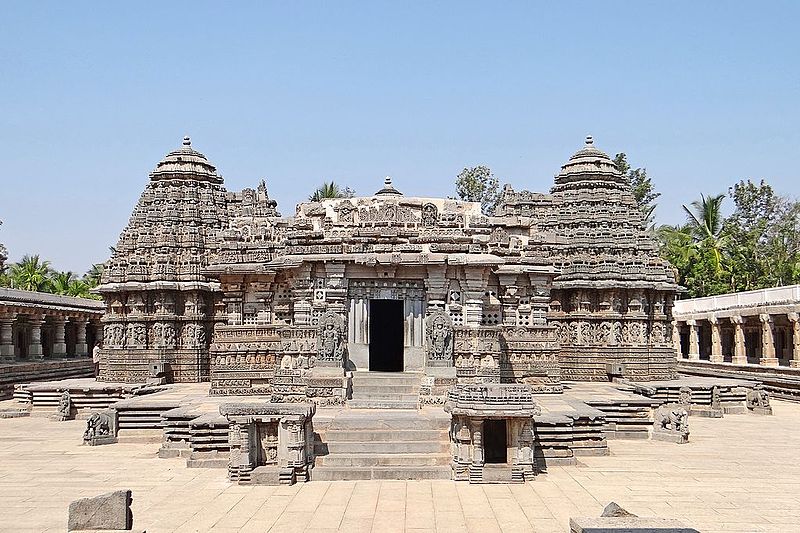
[[738, 473], [26, 371]]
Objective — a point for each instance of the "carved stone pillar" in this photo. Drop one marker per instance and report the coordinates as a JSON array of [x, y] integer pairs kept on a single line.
[[336, 287], [436, 288], [739, 349], [59, 337], [676, 339], [477, 442], [694, 341], [7, 338], [794, 319], [767, 342], [302, 293], [716, 341], [81, 348], [35, 347]]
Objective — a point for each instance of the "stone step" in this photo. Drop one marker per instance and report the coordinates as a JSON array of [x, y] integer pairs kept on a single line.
[[361, 395], [344, 473], [368, 403], [355, 420], [384, 459], [386, 378], [385, 435], [385, 389], [335, 447]]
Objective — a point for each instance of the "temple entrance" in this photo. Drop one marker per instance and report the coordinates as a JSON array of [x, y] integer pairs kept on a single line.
[[386, 335], [495, 445]]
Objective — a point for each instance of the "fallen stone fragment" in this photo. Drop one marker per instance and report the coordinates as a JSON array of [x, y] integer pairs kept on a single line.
[[110, 511]]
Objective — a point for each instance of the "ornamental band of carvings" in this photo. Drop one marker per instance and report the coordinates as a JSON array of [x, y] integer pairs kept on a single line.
[[439, 332], [331, 338]]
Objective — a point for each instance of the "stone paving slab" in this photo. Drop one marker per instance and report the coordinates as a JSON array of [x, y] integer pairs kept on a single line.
[[739, 473]]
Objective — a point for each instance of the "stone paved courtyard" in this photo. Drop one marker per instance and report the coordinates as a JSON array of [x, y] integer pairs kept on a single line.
[[738, 474]]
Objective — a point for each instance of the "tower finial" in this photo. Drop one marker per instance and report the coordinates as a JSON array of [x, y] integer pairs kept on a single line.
[[187, 141], [589, 140]]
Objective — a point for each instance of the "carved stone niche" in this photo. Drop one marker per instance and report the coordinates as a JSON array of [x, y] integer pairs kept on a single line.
[[270, 443], [331, 340], [439, 339]]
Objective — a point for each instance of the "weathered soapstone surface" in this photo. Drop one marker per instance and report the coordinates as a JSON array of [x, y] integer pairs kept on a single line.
[[615, 519], [758, 401], [110, 511], [671, 423], [216, 285], [101, 428]]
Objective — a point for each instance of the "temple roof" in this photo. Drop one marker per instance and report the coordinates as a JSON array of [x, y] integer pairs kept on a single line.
[[589, 164], [186, 163], [388, 189]]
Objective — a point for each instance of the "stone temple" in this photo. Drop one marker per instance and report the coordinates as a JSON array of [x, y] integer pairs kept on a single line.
[[213, 285], [388, 336]]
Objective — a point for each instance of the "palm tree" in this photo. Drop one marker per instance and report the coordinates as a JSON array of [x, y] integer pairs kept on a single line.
[[30, 274], [80, 289], [93, 275], [60, 282], [329, 190], [705, 221]]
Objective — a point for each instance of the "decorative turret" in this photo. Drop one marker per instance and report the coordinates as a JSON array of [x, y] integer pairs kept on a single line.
[[589, 167], [388, 189], [186, 163]]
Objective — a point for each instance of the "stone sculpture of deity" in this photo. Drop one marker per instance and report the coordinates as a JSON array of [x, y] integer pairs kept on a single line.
[[331, 338], [439, 331]]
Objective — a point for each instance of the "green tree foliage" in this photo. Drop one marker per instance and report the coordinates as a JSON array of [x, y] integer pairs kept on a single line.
[[756, 247], [330, 190], [641, 186], [478, 184], [31, 274], [93, 275], [763, 237]]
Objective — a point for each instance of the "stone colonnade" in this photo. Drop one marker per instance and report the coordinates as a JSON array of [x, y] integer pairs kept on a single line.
[[765, 339], [32, 330]]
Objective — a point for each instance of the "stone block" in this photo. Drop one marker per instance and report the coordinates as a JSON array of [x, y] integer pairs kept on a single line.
[[627, 524], [110, 511]]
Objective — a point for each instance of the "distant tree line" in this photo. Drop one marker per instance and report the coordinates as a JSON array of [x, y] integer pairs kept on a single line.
[[33, 274]]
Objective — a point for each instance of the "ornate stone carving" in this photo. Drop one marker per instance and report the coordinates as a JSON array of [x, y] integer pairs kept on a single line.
[[331, 338], [439, 334]]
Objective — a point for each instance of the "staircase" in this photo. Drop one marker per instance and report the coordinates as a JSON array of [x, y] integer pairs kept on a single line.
[[385, 390], [384, 444]]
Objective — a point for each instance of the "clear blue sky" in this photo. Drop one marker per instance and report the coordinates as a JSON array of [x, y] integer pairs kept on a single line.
[[92, 95]]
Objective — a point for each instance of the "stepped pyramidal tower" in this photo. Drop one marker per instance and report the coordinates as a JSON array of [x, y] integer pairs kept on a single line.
[[207, 284]]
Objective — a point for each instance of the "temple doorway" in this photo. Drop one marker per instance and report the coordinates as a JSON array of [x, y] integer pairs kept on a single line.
[[386, 335], [495, 444]]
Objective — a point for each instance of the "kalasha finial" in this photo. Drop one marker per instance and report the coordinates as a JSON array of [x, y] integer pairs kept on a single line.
[[387, 180], [589, 140], [187, 141]]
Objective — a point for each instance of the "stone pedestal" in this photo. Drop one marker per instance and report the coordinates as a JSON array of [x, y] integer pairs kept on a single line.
[[6, 339]]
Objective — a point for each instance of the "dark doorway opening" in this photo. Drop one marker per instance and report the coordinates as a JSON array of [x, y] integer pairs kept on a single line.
[[495, 445], [386, 335]]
